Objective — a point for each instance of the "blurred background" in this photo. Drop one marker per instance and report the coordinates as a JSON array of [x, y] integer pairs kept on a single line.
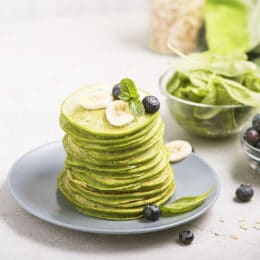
[[49, 48], [37, 9]]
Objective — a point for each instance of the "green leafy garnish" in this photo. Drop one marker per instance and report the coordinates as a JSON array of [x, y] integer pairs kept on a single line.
[[184, 204], [129, 94], [216, 80]]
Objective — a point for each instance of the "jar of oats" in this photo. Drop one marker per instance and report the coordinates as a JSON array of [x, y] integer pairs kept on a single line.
[[176, 22]]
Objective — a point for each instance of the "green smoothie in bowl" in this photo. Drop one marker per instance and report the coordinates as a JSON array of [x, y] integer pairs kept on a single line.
[[116, 161]]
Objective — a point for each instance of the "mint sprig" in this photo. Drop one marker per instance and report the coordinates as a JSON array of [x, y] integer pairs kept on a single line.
[[129, 94]]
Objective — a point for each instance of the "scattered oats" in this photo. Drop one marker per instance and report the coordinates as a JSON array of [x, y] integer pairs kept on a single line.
[[243, 226], [233, 236], [258, 221], [257, 226], [216, 233], [221, 220], [241, 220]]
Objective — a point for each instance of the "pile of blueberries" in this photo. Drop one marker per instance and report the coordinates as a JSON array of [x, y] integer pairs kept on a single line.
[[252, 135]]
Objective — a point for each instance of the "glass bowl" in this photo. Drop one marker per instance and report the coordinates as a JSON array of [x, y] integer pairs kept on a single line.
[[213, 121], [252, 154]]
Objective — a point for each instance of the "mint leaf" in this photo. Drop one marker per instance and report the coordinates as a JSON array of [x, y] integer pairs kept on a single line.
[[136, 107], [124, 97], [129, 94], [128, 89]]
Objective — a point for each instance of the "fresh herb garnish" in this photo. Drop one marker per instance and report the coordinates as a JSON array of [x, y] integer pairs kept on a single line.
[[129, 94], [184, 204]]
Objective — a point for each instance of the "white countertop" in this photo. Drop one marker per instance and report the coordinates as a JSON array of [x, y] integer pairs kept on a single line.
[[41, 62]]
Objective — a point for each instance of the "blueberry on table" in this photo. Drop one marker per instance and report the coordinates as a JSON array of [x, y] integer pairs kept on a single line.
[[256, 122], [151, 104], [186, 237], [152, 212], [244, 192], [116, 91], [252, 136]]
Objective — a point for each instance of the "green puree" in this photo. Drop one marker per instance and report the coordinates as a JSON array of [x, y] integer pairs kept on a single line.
[[112, 172]]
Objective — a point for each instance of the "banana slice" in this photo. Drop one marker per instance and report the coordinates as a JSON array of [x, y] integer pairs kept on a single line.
[[97, 99], [178, 150], [119, 114]]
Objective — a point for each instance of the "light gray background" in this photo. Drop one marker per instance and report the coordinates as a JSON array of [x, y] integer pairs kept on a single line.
[[38, 9], [42, 60]]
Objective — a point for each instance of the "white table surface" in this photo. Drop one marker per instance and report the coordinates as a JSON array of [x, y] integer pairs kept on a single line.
[[41, 62]]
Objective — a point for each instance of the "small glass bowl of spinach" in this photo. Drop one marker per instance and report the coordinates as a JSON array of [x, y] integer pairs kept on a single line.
[[212, 95]]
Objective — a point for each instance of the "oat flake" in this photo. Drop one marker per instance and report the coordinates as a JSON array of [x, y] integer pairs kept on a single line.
[[243, 226], [233, 236], [257, 226]]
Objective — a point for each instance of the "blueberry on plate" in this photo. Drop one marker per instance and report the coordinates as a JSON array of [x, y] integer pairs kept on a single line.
[[257, 145], [256, 122], [244, 192], [151, 104], [252, 136], [116, 91], [186, 237], [152, 212]]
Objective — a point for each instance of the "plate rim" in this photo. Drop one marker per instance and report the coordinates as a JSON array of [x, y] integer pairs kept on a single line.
[[103, 231]]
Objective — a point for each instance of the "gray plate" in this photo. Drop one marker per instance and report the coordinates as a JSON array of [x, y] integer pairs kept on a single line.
[[32, 182]]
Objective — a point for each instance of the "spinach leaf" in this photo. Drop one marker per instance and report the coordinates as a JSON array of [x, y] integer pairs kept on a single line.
[[239, 93], [184, 204]]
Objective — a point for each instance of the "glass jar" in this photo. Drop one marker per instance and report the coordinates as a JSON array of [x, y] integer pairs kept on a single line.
[[175, 22]]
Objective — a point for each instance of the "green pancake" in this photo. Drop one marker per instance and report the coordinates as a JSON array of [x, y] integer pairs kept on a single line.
[[122, 178], [127, 210], [112, 172], [119, 172], [88, 138], [150, 183], [156, 130], [119, 202], [125, 170], [94, 122], [135, 157]]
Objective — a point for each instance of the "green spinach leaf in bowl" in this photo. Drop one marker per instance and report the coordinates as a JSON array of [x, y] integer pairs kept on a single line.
[[213, 95]]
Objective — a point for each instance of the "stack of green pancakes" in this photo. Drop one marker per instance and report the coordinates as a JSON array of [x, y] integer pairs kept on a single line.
[[112, 172]]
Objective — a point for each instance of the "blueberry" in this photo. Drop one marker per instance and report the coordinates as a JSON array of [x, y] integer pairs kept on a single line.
[[116, 91], [256, 122], [252, 136], [257, 145], [152, 212], [151, 104], [186, 237], [244, 192]]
